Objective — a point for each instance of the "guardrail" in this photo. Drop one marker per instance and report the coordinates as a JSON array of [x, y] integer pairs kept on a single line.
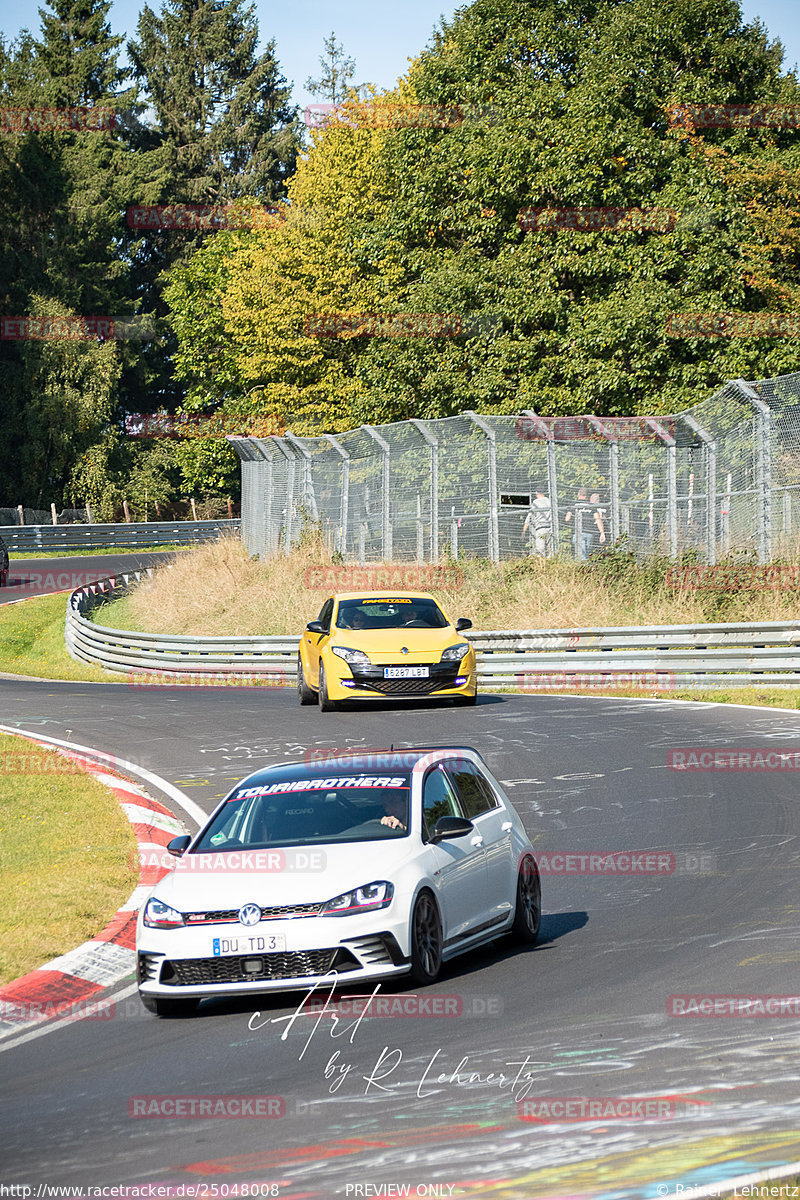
[[663, 657], [27, 538]]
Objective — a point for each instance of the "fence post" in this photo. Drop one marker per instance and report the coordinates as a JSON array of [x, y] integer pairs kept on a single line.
[[725, 516], [613, 470], [710, 449], [53, 513], [420, 535], [491, 455], [552, 484], [453, 533], [344, 499], [89, 516], [308, 481], [21, 513], [787, 513], [291, 460], [763, 419], [672, 484], [386, 529], [433, 443]]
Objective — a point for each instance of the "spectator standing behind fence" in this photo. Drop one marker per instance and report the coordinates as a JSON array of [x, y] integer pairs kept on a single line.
[[598, 523], [539, 520], [584, 549]]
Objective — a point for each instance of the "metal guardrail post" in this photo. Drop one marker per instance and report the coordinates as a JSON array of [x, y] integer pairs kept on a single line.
[[491, 453], [386, 524], [763, 417], [344, 499], [433, 443]]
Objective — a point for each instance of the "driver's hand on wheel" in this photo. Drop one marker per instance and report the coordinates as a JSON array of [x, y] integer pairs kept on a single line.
[[392, 822]]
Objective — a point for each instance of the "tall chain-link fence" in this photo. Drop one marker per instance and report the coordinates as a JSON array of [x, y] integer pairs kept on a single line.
[[722, 477]]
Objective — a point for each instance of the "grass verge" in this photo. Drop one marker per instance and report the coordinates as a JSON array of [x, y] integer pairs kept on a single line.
[[32, 641], [95, 553], [67, 856], [216, 589]]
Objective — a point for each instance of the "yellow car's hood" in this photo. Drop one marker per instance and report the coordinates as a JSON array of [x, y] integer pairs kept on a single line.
[[386, 645]]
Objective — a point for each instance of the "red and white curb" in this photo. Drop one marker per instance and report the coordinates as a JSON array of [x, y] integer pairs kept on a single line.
[[65, 986]]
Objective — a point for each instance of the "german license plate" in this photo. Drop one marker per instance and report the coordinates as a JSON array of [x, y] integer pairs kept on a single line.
[[406, 672], [248, 943]]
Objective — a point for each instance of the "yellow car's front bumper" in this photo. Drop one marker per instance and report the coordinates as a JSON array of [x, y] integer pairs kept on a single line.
[[358, 681]]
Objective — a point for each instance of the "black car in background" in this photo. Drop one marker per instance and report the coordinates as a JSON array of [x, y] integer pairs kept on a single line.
[[3, 563]]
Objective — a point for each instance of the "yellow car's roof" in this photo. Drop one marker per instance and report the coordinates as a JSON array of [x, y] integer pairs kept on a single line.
[[387, 593]]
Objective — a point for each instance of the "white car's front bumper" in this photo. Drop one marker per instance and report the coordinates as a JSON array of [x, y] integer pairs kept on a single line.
[[183, 963]]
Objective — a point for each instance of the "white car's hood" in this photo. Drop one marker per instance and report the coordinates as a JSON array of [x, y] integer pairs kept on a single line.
[[205, 882]]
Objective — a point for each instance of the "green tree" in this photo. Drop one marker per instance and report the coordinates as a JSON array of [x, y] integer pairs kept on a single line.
[[564, 104], [223, 121], [337, 71]]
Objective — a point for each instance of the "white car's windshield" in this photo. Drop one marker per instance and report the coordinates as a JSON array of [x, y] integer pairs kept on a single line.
[[391, 613], [314, 809]]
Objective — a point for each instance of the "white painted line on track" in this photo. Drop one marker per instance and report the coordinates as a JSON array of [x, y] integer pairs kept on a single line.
[[11, 1042], [192, 810]]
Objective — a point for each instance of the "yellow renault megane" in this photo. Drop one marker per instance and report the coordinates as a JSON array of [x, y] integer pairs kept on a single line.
[[374, 645]]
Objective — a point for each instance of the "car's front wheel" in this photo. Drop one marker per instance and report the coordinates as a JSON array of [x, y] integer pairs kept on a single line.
[[304, 692], [167, 1007], [528, 913], [426, 940], [325, 702]]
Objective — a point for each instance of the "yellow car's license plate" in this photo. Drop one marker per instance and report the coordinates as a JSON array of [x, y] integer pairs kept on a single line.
[[406, 672]]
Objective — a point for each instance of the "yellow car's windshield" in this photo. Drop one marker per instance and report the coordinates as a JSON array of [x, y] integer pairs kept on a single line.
[[391, 613]]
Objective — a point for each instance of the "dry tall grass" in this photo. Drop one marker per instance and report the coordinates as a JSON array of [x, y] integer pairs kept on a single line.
[[217, 589]]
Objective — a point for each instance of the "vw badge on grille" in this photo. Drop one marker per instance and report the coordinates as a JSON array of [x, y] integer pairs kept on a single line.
[[250, 914]]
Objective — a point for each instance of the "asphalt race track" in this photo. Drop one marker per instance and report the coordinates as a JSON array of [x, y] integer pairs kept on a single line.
[[431, 1103], [41, 576]]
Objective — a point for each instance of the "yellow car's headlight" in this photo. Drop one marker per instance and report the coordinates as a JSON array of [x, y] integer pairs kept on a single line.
[[455, 653], [350, 656]]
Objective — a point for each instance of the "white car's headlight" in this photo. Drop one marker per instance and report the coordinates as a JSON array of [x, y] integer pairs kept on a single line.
[[363, 899], [158, 915], [455, 652], [350, 656]]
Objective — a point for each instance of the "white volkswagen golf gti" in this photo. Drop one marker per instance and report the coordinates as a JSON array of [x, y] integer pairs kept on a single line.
[[346, 869]]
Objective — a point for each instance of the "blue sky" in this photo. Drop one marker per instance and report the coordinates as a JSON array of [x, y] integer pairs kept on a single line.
[[380, 34]]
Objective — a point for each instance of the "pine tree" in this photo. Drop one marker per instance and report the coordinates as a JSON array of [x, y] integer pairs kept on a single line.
[[223, 119]]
